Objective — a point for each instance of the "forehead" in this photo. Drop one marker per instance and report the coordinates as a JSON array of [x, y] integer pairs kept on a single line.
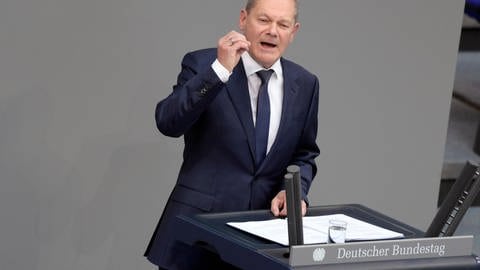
[[281, 9]]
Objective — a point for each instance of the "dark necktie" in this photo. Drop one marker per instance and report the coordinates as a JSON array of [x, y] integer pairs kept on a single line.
[[263, 117]]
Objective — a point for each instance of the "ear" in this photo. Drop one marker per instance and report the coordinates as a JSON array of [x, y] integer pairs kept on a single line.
[[242, 21], [294, 31]]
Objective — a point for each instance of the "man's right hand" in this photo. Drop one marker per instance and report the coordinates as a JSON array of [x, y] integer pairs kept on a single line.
[[230, 48]]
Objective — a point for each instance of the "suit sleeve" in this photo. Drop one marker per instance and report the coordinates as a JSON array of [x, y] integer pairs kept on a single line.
[[197, 85]]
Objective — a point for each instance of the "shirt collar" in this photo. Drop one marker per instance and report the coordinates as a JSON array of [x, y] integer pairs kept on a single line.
[[251, 66]]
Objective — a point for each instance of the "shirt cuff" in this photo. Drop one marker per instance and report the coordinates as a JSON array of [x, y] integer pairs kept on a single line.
[[221, 71]]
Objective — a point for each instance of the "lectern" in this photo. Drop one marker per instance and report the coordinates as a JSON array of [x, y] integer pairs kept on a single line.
[[247, 251]]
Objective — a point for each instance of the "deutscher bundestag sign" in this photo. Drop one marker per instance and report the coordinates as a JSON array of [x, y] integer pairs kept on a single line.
[[381, 250]]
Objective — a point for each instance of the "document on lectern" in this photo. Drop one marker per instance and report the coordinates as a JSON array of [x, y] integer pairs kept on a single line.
[[315, 229]]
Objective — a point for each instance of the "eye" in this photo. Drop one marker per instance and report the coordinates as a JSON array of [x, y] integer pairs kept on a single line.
[[263, 20], [284, 25]]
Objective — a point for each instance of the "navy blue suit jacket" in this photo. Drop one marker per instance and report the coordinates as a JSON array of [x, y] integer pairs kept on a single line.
[[218, 173]]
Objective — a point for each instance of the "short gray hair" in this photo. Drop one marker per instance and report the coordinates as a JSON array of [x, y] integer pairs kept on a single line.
[[251, 3]]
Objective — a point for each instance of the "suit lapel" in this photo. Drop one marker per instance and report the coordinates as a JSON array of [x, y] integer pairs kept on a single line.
[[290, 90], [237, 87]]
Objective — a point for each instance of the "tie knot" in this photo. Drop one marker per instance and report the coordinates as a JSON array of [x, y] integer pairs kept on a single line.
[[265, 75]]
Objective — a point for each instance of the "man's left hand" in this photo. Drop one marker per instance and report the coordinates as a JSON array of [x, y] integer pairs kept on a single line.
[[279, 205]]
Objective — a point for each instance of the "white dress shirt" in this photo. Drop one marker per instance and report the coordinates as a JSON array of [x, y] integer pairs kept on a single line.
[[275, 90]]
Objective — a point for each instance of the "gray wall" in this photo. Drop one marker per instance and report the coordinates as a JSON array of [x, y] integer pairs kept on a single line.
[[84, 173]]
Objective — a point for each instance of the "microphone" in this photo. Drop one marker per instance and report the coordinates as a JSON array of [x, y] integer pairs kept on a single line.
[[294, 205]]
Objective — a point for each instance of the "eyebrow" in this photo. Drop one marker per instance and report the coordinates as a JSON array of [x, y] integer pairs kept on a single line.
[[282, 20]]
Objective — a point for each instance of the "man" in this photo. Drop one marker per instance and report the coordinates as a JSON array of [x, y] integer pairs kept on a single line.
[[234, 158]]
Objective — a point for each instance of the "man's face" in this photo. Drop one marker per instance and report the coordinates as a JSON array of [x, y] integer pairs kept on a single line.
[[270, 26]]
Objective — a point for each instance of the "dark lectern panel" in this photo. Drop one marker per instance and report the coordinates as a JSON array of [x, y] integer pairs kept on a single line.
[[247, 251], [218, 222]]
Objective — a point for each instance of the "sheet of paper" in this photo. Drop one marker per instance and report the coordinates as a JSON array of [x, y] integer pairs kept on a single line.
[[315, 229]]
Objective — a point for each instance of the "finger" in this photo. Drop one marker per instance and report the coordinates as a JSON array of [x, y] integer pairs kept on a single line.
[[237, 37], [232, 35], [283, 208], [240, 45], [275, 207], [234, 45], [304, 208], [283, 213], [225, 41]]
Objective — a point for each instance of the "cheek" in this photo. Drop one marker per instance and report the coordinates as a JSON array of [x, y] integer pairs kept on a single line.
[[292, 36], [251, 34], [288, 37]]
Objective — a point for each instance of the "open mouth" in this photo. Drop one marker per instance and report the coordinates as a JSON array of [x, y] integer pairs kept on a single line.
[[268, 44]]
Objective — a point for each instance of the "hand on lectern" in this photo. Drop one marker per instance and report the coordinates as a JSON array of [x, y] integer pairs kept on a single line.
[[279, 205]]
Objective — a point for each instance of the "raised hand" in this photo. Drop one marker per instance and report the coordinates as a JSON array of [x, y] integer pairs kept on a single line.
[[230, 47]]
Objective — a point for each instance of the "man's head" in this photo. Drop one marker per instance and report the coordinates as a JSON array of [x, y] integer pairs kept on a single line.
[[251, 3], [270, 26]]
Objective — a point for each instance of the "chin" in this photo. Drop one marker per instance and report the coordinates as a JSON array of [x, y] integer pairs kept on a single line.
[[268, 59], [269, 62]]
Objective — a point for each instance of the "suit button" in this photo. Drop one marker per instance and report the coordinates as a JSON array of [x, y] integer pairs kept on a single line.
[[203, 91]]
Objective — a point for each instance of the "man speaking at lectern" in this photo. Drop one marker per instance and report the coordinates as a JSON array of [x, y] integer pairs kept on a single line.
[[245, 114]]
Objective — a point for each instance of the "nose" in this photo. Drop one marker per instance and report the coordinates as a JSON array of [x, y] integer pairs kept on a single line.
[[273, 30]]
